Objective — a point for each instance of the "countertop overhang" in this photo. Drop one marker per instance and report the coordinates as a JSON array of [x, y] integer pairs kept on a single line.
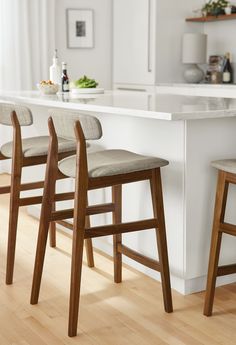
[[157, 106]]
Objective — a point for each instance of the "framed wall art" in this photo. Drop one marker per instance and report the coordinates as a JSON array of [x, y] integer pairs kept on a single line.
[[80, 32]]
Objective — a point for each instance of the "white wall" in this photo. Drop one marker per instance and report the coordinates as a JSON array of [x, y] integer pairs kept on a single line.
[[171, 25], [95, 62], [221, 38]]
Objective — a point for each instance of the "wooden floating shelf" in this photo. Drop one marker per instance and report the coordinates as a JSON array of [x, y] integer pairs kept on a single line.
[[212, 18]]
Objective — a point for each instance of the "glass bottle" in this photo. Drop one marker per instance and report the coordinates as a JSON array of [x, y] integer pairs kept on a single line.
[[64, 78]]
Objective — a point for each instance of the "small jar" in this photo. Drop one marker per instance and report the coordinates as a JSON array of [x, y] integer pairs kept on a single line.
[[216, 77]]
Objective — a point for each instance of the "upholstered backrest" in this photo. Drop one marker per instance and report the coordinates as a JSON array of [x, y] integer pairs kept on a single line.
[[64, 121], [24, 114]]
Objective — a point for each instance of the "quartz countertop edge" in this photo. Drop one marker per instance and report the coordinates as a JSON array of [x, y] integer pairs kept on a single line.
[[162, 107], [91, 107], [197, 86]]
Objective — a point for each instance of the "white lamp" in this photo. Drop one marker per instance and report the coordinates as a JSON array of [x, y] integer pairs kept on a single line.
[[194, 52]]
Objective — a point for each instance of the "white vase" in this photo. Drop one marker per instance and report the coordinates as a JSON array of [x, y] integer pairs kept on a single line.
[[193, 74]]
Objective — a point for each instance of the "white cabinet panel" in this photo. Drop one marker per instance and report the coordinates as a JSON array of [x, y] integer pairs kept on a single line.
[[134, 41]]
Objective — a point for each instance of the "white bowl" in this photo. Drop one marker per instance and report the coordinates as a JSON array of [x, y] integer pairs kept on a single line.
[[48, 89], [87, 90]]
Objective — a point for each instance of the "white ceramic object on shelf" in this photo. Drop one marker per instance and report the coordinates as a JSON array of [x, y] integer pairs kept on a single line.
[[194, 48], [193, 74], [47, 89], [87, 90]]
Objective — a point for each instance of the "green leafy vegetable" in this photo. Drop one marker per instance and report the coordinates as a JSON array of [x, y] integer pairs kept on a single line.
[[84, 83]]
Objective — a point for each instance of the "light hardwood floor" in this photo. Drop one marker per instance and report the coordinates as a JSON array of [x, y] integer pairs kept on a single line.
[[110, 314]]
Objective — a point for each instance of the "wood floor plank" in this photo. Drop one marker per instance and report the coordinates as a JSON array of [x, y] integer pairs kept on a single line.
[[130, 313]]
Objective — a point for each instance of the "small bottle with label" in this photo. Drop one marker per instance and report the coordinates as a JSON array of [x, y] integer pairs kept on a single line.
[[227, 77], [64, 79], [55, 70]]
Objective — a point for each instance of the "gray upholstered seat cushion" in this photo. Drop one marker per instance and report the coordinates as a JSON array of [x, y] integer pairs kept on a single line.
[[228, 165], [38, 146], [112, 162]]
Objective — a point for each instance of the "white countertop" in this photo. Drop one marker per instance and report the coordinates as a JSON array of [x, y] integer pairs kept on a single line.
[[205, 90], [138, 104], [199, 85]]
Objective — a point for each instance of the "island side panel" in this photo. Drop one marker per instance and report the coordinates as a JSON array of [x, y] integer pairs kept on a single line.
[[206, 140], [162, 139]]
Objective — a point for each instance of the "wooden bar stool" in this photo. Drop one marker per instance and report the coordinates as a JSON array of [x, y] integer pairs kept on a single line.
[[109, 168], [24, 153], [226, 175]]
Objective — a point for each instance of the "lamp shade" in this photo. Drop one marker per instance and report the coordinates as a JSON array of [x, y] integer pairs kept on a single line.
[[194, 48]]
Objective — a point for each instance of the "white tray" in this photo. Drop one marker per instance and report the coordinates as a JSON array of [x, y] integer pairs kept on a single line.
[[87, 90]]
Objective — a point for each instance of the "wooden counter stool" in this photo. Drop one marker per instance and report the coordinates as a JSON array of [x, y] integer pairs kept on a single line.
[[109, 168], [226, 175], [24, 153]]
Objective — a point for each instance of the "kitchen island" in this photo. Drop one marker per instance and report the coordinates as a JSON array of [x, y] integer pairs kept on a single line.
[[190, 132]]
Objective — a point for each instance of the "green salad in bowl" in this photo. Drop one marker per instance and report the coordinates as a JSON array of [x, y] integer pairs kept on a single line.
[[84, 83]]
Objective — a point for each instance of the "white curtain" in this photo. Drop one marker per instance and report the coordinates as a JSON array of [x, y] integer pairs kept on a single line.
[[27, 40]]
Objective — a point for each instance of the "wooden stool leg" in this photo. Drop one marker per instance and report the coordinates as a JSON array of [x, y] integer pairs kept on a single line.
[[76, 270], [89, 246], [41, 249], [220, 205], [158, 209], [13, 219], [117, 239], [46, 211], [77, 259], [52, 232]]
